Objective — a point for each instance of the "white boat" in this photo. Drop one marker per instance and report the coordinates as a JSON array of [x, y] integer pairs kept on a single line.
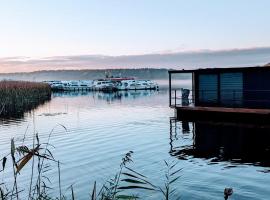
[[86, 84], [70, 85], [77, 85], [55, 85], [136, 85], [109, 84], [126, 84], [103, 84]]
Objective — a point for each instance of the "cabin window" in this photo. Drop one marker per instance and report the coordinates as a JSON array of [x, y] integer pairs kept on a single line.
[[208, 88], [231, 88]]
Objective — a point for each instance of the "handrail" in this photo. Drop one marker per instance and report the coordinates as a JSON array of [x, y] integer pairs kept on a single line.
[[236, 100], [241, 90]]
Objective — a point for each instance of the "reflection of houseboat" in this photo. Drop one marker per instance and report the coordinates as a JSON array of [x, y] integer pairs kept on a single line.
[[245, 143]]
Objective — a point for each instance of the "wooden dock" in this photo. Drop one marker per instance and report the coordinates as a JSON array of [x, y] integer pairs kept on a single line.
[[223, 114]]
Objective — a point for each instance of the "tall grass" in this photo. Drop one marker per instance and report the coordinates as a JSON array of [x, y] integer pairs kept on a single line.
[[127, 180], [122, 186], [20, 156], [17, 97]]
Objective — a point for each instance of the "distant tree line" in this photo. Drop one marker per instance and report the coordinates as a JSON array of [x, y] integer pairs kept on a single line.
[[142, 73]]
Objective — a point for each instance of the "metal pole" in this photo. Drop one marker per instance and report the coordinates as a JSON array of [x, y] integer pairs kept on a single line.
[[193, 89], [175, 98], [170, 88]]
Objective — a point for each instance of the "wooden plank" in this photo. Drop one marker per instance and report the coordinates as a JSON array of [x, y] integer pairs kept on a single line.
[[245, 115], [226, 110]]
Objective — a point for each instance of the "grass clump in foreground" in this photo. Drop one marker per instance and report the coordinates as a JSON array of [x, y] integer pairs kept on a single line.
[[17, 97], [127, 180], [39, 158], [125, 183]]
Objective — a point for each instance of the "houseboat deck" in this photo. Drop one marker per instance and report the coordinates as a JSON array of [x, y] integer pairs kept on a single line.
[[222, 113], [223, 94]]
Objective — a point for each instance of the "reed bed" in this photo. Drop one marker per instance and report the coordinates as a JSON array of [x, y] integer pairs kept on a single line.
[[17, 97]]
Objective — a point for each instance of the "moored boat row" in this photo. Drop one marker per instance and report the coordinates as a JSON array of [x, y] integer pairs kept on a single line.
[[107, 84], [70, 85]]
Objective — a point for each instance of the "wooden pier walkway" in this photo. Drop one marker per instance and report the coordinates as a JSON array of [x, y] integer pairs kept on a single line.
[[223, 114]]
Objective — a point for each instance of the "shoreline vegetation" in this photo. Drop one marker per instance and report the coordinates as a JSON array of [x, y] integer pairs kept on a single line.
[[18, 97]]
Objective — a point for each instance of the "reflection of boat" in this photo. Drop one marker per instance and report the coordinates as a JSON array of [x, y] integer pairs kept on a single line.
[[218, 142], [120, 95], [70, 93], [108, 96]]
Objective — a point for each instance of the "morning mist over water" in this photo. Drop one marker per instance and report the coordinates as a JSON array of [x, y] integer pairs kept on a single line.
[[173, 60]]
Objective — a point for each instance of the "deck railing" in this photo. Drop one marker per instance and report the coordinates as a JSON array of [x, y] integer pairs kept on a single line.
[[226, 97], [178, 100]]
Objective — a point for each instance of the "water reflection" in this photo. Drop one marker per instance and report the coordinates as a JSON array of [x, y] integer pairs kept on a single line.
[[217, 142], [78, 98], [108, 96], [8, 121], [16, 113]]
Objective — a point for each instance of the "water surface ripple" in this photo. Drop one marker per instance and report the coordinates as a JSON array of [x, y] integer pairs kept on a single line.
[[102, 127]]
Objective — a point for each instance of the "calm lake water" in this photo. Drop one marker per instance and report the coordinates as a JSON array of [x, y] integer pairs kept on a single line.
[[102, 127]]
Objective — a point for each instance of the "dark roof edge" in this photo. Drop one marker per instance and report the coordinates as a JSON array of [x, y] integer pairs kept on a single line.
[[228, 69]]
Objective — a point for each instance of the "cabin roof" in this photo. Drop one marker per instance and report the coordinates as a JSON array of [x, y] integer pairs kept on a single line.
[[217, 70]]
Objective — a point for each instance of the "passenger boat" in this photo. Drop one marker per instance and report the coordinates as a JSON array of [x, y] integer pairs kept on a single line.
[[103, 85], [77, 85], [136, 85], [55, 85], [70, 85]]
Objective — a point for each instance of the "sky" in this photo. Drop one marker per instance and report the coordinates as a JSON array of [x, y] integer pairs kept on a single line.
[[32, 30]]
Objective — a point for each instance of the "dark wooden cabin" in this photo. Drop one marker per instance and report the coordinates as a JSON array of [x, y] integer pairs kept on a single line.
[[242, 87]]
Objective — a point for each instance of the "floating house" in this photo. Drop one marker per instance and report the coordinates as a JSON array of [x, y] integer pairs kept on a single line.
[[242, 90]]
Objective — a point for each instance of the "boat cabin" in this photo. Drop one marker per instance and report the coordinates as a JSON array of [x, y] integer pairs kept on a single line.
[[242, 87]]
